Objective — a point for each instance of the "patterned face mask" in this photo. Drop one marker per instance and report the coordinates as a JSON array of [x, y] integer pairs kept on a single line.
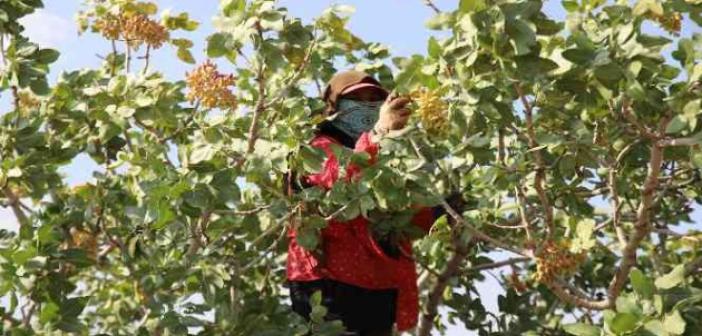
[[354, 117]]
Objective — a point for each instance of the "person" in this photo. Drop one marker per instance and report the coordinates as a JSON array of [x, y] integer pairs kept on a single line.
[[369, 285]]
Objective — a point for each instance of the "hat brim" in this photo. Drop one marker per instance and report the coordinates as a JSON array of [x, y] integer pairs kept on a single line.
[[359, 86]]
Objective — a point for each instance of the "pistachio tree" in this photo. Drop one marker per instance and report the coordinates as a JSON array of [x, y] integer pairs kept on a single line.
[[566, 152]]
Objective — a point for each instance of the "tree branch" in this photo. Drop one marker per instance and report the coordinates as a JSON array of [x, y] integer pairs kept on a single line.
[[642, 225], [576, 297], [16, 206], [540, 165], [426, 322], [679, 142]]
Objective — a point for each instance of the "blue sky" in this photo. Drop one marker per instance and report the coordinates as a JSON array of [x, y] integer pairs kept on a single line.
[[396, 23]]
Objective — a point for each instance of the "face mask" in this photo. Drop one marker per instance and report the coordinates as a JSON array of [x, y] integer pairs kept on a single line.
[[354, 117]]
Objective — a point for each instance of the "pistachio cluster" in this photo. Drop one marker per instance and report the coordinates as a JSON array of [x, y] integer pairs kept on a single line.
[[84, 240], [135, 28], [432, 110], [27, 101], [554, 260], [210, 87], [671, 22]]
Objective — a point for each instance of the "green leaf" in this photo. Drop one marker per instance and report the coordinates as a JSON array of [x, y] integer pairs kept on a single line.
[[26, 50], [696, 157], [49, 311], [692, 108], [672, 279], [39, 86], [312, 158], [46, 56], [468, 6], [182, 43], [216, 45], [628, 304], [318, 313], [570, 6], [522, 36], [186, 56], [433, 48], [624, 322], [655, 327], [579, 56], [642, 284], [583, 236], [674, 323], [676, 125], [307, 239], [582, 329], [72, 307], [440, 21], [316, 298], [204, 152]]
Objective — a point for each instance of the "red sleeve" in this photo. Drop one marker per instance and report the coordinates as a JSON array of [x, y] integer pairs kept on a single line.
[[330, 170], [424, 218]]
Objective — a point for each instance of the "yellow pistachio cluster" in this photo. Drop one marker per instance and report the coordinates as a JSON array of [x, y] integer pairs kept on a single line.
[[210, 87], [27, 101], [432, 110], [554, 260], [84, 240], [671, 22], [135, 28]]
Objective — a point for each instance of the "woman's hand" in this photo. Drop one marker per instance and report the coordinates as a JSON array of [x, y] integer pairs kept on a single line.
[[393, 114]]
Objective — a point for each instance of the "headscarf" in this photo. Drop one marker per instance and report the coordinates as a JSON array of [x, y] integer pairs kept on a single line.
[[347, 118]]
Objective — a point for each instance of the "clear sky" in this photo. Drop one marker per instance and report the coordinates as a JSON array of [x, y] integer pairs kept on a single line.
[[396, 23]]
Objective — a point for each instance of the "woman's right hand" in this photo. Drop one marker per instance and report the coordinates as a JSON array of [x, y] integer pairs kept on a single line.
[[393, 114]]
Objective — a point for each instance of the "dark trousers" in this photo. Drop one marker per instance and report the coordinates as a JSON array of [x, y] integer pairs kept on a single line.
[[364, 312]]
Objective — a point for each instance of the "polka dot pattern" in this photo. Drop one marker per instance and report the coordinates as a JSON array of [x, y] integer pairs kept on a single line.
[[350, 253]]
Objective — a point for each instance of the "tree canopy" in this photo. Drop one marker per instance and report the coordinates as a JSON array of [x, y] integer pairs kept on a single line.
[[566, 151]]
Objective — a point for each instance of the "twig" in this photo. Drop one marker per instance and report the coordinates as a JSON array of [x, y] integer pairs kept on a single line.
[[496, 264], [198, 235], [128, 56], [257, 113], [433, 7], [522, 212], [263, 254], [147, 57], [540, 165], [479, 234], [624, 151], [113, 65], [181, 129], [626, 112], [679, 142], [616, 207], [297, 75], [242, 212], [28, 313]]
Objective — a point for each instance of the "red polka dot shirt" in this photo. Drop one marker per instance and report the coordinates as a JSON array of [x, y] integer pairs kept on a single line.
[[351, 255]]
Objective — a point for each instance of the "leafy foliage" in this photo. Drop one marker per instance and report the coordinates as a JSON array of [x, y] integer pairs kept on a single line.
[[574, 147]]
